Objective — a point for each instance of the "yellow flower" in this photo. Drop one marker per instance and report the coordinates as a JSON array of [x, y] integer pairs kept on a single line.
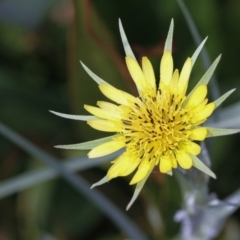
[[160, 127]]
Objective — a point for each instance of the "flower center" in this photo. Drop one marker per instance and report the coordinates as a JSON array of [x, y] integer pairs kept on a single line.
[[156, 125]]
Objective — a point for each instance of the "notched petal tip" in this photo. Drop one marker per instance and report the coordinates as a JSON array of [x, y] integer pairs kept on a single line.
[[184, 160], [165, 165]]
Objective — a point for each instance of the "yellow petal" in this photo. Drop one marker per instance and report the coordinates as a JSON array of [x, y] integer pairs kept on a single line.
[[104, 125], [173, 160], [205, 112], [166, 68], [136, 73], [144, 168], [184, 160], [107, 106], [200, 107], [101, 113], [148, 72], [184, 76], [174, 80], [113, 170], [197, 97], [198, 134], [116, 167], [116, 95], [190, 147], [105, 149], [165, 165], [129, 167]]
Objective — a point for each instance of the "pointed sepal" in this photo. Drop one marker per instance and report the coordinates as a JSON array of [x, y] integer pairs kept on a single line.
[[197, 51], [96, 78], [137, 190], [215, 132], [87, 145], [223, 97], [102, 181], [168, 42], [206, 77], [74, 117], [126, 46], [197, 163]]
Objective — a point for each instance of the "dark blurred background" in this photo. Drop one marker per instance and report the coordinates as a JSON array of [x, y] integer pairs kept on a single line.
[[41, 43]]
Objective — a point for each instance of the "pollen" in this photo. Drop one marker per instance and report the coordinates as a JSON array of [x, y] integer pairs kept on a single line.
[[157, 126]]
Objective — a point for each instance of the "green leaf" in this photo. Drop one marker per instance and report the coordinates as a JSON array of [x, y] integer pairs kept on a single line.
[[168, 42], [223, 97], [214, 132], [74, 117], [198, 50], [102, 181], [86, 145], [96, 78], [126, 46], [197, 163]]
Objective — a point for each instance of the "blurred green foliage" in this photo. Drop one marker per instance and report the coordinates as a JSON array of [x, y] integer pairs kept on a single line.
[[40, 71]]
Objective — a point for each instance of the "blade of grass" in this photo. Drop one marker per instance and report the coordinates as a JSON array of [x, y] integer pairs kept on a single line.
[[104, 204]]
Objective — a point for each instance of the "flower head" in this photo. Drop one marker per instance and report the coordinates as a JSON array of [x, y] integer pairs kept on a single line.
[[159, 127]]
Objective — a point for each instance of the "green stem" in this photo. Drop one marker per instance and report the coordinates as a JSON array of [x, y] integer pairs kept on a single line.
[[104, 204]]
